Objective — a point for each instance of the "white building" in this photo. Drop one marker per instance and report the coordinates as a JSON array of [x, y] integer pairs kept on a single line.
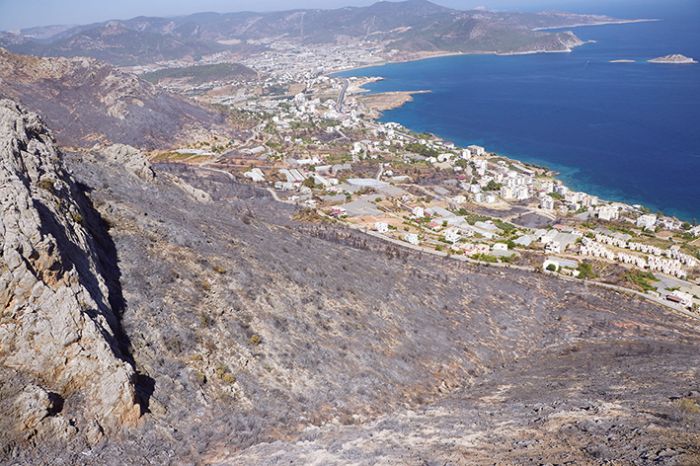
[[684, 299], [647, 221], [459, 199], [418, 212], [547, 202], [411, 238], [255, 174], [608, 212], [381, 227], [477, 150], [452, 235], [507, 193]]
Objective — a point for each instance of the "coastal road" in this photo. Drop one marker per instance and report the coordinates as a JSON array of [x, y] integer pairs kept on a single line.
[[341, 96], [626, 291]]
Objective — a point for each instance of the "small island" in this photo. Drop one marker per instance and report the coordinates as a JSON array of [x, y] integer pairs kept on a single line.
[[675, 59]]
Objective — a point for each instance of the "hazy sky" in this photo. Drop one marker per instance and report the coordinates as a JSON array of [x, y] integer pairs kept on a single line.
[[15, 14]]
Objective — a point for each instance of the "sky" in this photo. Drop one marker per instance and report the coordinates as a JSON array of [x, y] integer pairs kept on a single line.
[[16, 14]]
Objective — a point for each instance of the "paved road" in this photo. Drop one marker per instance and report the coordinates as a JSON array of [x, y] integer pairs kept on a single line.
[[341, 96], [620, 289]]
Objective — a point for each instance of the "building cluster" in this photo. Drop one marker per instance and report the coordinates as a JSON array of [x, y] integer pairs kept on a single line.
[[669, 266], [315, 145]]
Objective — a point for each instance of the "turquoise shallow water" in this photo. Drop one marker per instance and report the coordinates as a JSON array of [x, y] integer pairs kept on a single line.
[[628, 132]]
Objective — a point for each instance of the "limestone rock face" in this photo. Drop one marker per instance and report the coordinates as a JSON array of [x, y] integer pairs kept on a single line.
[[131, 159], [58, 333]]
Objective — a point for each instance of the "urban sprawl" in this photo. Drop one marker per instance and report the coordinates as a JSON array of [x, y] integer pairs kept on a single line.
[[313, 140]]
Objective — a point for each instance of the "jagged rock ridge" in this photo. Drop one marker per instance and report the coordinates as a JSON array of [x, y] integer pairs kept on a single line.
[[61, 366]]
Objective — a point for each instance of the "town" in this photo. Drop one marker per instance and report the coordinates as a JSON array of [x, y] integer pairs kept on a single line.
[[314, 140]]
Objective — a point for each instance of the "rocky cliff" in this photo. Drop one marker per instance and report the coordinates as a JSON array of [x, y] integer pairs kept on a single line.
[[62, 369]]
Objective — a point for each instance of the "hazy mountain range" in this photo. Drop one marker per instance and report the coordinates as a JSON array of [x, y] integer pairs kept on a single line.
[[413, 25]]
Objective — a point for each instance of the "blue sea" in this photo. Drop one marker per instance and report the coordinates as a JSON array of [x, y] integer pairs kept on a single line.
[[627, 132]]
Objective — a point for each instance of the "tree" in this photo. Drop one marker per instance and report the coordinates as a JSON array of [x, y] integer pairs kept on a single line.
[[586, 271], [492, 186]]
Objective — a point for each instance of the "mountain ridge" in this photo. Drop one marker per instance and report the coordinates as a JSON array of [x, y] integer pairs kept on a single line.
[[399, 25]]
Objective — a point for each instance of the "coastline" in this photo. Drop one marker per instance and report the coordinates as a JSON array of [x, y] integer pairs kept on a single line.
[[602, 23], [563, 173], [420, 56]]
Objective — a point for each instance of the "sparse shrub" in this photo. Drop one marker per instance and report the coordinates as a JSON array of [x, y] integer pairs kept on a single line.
[[219, 269], [309, 182], [485, 258], [255, 340], [204, 285], [224, 374], [641, 280], [201, 378], [586, 271], [205, 320], [220, 370], [509, 259], [47, 185], [688, 405], [77, 217]]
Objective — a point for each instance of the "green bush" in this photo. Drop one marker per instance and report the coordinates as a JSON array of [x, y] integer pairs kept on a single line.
[[485, 258], [586, 271], [642, 280]]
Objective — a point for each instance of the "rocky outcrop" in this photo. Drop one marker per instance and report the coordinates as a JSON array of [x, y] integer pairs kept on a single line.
[[62, 367], [132, 159]]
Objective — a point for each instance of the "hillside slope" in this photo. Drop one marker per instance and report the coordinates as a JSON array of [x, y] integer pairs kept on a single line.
[[271, 340], [86, 102], [248, 335]]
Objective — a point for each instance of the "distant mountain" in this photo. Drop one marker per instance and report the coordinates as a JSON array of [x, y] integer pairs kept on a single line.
[[413, 25], [88, 102]]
